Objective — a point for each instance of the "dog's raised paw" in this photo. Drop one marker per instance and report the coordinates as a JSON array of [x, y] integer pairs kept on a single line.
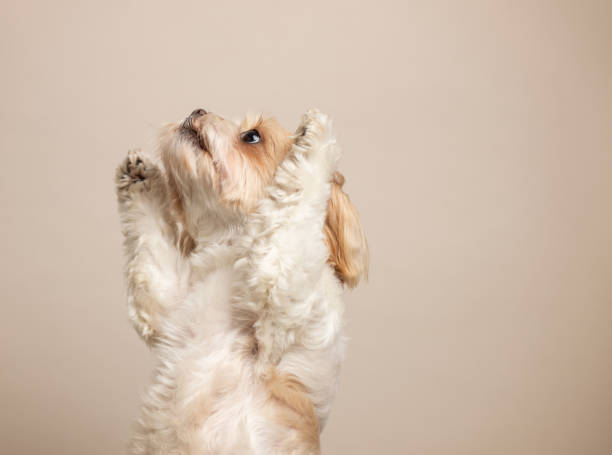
[[314, 124], [135, 173], [316, 143]]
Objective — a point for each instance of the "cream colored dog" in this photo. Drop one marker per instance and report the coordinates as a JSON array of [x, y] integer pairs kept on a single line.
[[238, 244]]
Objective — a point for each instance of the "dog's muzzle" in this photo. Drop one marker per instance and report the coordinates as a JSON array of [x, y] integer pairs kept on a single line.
[[190, 128], [188, 123]]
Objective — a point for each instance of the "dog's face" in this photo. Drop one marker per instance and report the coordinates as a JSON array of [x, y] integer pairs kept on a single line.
[[227, 164], [217, 172]]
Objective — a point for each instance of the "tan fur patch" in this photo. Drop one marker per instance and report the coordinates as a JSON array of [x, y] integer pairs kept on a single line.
[[186, 243], [348, 248], [261, 159], [292, 408]]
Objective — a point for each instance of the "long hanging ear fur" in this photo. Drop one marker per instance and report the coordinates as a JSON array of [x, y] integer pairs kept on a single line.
[[348, 247]]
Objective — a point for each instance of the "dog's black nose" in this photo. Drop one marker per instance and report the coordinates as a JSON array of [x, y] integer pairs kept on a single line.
[[198, 113], [188, 123]]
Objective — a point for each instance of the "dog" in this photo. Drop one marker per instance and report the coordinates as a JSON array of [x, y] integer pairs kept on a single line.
[[239, 241]]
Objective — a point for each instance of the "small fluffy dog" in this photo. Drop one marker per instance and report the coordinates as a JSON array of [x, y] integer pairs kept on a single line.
[[238, 245]]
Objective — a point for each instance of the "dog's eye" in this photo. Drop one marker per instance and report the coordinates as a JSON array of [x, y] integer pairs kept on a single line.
[[251, 137]]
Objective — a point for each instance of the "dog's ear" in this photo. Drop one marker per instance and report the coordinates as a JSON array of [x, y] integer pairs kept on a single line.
[[348, 247]]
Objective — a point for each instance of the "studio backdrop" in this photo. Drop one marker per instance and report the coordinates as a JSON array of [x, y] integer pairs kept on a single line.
[[477, 140]]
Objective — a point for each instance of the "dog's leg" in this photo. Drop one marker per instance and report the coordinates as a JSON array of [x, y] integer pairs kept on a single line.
[[285, 252], [153, 261]]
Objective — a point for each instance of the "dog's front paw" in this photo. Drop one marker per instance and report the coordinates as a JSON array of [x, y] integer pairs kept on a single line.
[[315, 143], [135, 174], [315, 126]]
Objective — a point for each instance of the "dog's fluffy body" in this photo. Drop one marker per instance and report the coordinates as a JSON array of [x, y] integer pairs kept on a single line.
[[235, 267]]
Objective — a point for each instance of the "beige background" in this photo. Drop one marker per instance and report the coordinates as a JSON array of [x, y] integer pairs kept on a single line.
[[478, 149]]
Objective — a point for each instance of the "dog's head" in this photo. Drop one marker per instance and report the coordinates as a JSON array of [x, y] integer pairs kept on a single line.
[[217, 172]]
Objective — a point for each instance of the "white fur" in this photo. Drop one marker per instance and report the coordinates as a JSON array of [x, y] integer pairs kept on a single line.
[[265, 276]]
